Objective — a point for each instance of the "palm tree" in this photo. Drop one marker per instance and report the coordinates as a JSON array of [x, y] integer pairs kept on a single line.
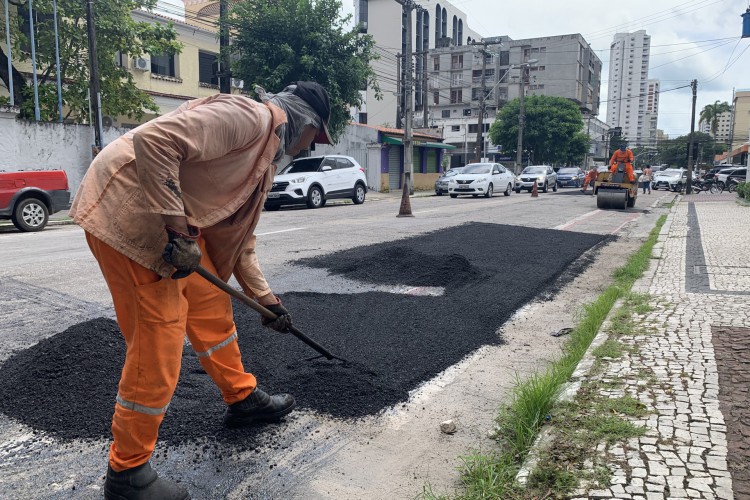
[[710, 114]]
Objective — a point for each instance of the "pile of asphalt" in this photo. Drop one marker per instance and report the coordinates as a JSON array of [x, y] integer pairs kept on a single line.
[[66, 384]]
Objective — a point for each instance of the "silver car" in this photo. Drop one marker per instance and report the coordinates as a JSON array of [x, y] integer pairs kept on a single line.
[[441, 185], [544, 175]]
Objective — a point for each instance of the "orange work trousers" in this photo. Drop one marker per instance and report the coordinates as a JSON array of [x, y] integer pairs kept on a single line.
[[154, 314], [628, 171]]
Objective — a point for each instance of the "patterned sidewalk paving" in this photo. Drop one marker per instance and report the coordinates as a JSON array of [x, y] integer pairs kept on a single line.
[[688, 363]]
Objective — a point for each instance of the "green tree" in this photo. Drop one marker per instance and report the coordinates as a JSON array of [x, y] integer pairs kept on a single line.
[[116, 34], [711, 113], [674, 152], [280, 42], [553, 129]]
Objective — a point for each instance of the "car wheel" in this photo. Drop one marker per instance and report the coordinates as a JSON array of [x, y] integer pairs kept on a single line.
[[315, 197], [30, 215], [438, 193], [508, 190], [545, 188], [454, 196], [359, 194], [489, 192], [518, 190], [271, 208], [554, 187]]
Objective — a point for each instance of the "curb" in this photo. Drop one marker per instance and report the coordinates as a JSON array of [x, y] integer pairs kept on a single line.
[[569, 390]]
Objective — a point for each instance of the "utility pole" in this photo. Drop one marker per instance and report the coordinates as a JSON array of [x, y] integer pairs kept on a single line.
[[33, 61], [57, 63], [425, 90], [96, 96], [521, 119], [225, 73], [10, 56], [480, 121], [399, 92], [586, 156], [689, 187], [405, 210]]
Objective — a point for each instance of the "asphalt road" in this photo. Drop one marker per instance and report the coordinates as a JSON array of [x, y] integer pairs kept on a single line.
[[49, 282]]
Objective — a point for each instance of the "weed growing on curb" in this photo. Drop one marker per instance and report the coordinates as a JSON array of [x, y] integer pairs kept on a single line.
[[609, 349], [532, 400]]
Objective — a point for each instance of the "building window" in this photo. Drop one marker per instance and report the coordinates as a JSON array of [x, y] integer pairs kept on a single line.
[[208, 68], [456, 96], [457, 61], [455, 128], [360, 15], [163, 64], [436, 97], [458, 79], [436, 64], [446, 113], [473, 127]]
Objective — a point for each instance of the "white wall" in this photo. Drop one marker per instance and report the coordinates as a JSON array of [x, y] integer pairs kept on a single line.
[[28, 145]]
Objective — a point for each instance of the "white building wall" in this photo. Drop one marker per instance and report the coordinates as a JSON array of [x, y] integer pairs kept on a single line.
[[48, 146]]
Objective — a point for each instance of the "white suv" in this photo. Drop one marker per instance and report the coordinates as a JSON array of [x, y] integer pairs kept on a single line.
[[314, 180]]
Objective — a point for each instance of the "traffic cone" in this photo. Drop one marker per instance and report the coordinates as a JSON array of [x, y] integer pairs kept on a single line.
[[535, 191], [405, 209]]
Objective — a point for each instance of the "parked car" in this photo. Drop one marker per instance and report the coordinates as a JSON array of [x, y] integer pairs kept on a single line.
[[710, 174], [570, 176], [673, 179], [28, 198], [441, 185], [313, 181], [724, 176], [544, 176], [481, 178]]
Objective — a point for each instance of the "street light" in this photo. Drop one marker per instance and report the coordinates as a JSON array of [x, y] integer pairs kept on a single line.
[[521, 115]]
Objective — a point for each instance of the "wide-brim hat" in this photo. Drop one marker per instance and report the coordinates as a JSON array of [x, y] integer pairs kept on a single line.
[[317, 97]]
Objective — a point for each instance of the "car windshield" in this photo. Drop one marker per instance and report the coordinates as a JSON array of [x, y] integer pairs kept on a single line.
[[535, 170], [568, 171], [451, 173], [477, 169], [302, 166], [670, 173]]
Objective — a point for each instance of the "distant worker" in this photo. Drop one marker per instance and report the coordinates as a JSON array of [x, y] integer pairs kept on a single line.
[[590, 178], [646, 179], [622, 155]]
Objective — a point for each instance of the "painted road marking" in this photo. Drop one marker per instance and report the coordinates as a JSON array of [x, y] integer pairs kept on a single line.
[[281, 231], [572, 222], [426, 211]]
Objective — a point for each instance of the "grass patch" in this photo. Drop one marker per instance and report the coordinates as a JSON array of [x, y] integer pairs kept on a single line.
[[532, 399], [609, 349], [626, 405]]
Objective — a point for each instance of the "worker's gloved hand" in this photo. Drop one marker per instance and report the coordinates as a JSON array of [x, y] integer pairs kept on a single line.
[[182, 251], [282, 322]]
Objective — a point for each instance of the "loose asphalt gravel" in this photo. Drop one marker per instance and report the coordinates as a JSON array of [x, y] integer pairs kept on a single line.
[[66, 384]]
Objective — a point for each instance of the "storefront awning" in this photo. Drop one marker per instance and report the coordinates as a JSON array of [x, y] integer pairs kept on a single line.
[[437, 145]]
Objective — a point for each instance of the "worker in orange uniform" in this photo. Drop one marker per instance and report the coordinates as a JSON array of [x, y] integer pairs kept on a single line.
[[589, 179], [183, 190], [623, 155]]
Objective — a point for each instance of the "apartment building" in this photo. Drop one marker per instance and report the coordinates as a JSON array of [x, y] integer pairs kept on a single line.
[[723, 127], [436, 24], [565, 66], [628, 103]]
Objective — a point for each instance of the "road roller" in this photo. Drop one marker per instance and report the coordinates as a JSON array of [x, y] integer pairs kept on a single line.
[[615, 190]]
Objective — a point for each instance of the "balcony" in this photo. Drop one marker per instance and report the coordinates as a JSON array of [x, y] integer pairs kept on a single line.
[[477, 80], [455, 66]]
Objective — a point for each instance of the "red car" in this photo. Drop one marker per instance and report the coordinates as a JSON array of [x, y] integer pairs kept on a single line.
[[28, 198]]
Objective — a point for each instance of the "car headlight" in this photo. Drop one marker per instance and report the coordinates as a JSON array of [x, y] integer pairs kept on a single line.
[[299, 180], [574, 178], [483, 179]]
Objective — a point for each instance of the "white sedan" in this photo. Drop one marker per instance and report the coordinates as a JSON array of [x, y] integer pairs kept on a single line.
[[482, 178]]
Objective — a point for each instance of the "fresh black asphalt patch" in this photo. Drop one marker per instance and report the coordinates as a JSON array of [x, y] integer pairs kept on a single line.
[[66, 384]]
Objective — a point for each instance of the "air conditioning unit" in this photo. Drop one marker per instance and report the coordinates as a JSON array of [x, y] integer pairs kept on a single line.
[[237, 83], [108, 121], [142, 63]]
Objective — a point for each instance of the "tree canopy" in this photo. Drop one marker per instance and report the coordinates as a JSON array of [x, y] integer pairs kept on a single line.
[[280, 42], [116, 34], [674, 152], [553, 130], [711, 113]]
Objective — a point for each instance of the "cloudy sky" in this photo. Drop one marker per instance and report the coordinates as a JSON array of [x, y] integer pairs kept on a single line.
[[689, 39]]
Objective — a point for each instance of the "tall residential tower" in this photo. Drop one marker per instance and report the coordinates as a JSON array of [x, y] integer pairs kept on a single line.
[[632, 100]]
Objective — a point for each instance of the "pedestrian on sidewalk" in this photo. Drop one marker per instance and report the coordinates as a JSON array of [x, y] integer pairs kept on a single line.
[[183, 190], [646, 178]]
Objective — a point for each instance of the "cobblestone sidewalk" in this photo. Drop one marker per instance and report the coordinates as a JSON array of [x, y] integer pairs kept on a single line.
[[688, 363]]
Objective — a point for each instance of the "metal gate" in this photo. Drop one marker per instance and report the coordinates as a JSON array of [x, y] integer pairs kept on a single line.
[[417, 160], [431, 167], [395, 154]]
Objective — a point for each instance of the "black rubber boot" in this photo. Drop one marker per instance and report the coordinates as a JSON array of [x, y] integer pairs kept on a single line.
[[259, 407], [141, 483]]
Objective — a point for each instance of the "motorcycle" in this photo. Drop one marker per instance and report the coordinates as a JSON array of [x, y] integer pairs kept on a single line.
[[710, 186]]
